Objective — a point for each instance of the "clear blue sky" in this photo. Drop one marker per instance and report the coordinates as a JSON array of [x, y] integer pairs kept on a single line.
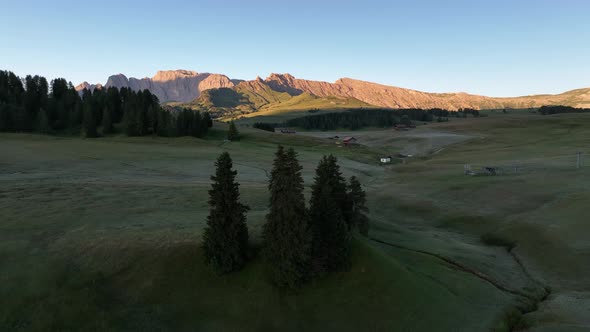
[[498, 48]]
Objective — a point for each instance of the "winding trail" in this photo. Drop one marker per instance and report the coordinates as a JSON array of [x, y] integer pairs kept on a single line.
[[460, 267], [534, 300]]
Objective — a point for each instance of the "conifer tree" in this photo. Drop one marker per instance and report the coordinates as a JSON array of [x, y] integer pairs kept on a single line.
[[76, 115], [23, 119], [162, 120], [152, 120], [107, 122], [358, 199], [204, 124], [287, 237], [89, 121], [42, 122], [331, 237], [170, 130], [232, 133], [207, 119], [131, 119], [5, 123], [196, 124], [63, 115], [225, 241]]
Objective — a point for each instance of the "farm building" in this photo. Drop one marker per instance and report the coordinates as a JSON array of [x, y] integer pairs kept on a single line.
[[285, 130], [349, 141], [386, 160], [404, 127]]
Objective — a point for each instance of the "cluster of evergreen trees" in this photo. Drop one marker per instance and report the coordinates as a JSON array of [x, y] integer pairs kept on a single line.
[[356, 119], [299, 242], [264, 126], [464, 111], [547, 110], [33, 105], [185, 122]]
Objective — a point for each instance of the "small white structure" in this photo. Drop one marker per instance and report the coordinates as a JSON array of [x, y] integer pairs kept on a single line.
[[386, 160]]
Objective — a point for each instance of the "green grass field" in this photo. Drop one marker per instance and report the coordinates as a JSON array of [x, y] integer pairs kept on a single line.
[[104, 234]]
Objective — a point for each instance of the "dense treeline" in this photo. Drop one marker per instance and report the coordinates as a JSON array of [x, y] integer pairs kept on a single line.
[[299, 243], [464, 111], [355, 119], [264, 126], [34, 105], [547, 110]]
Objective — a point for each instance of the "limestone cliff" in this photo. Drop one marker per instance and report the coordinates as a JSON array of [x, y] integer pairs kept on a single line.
[[173, 85]]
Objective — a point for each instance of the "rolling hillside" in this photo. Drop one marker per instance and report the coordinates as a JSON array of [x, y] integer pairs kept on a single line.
[[259, 98]]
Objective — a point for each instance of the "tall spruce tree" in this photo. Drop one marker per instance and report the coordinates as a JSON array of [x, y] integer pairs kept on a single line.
[[358, 200], [89, 121], [287, 236], [131, 118], [196, 124], [331, 236], [107, 121], [5, 120], [204, 124], [162, 120], [225, 241], [42, 122], [152, 119], [232, 133]]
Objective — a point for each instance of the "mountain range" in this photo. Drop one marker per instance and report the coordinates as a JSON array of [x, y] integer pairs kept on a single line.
[[284, 90]]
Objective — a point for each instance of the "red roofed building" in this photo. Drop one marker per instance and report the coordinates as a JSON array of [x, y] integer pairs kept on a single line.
[[349, 141]]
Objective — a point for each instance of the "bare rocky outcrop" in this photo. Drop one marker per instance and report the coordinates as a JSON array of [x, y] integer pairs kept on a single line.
[[173, 85], [85, 85]]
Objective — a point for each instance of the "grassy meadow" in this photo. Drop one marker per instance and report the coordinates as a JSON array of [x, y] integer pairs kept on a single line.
[[104, 234]]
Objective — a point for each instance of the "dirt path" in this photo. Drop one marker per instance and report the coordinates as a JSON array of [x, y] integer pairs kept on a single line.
[[419, 141], [460, 267]]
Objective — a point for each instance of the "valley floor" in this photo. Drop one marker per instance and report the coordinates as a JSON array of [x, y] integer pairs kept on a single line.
[[104, 234]]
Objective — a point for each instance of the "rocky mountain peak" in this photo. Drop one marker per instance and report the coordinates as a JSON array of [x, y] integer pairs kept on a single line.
[[280, 77], [118, 81], [284, 83], [85, 85], [170, 75], [170, 85], [82, 86]]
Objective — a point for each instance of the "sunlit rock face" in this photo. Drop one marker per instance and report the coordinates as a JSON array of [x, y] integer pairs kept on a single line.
[[186, 86], [170, 85]]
